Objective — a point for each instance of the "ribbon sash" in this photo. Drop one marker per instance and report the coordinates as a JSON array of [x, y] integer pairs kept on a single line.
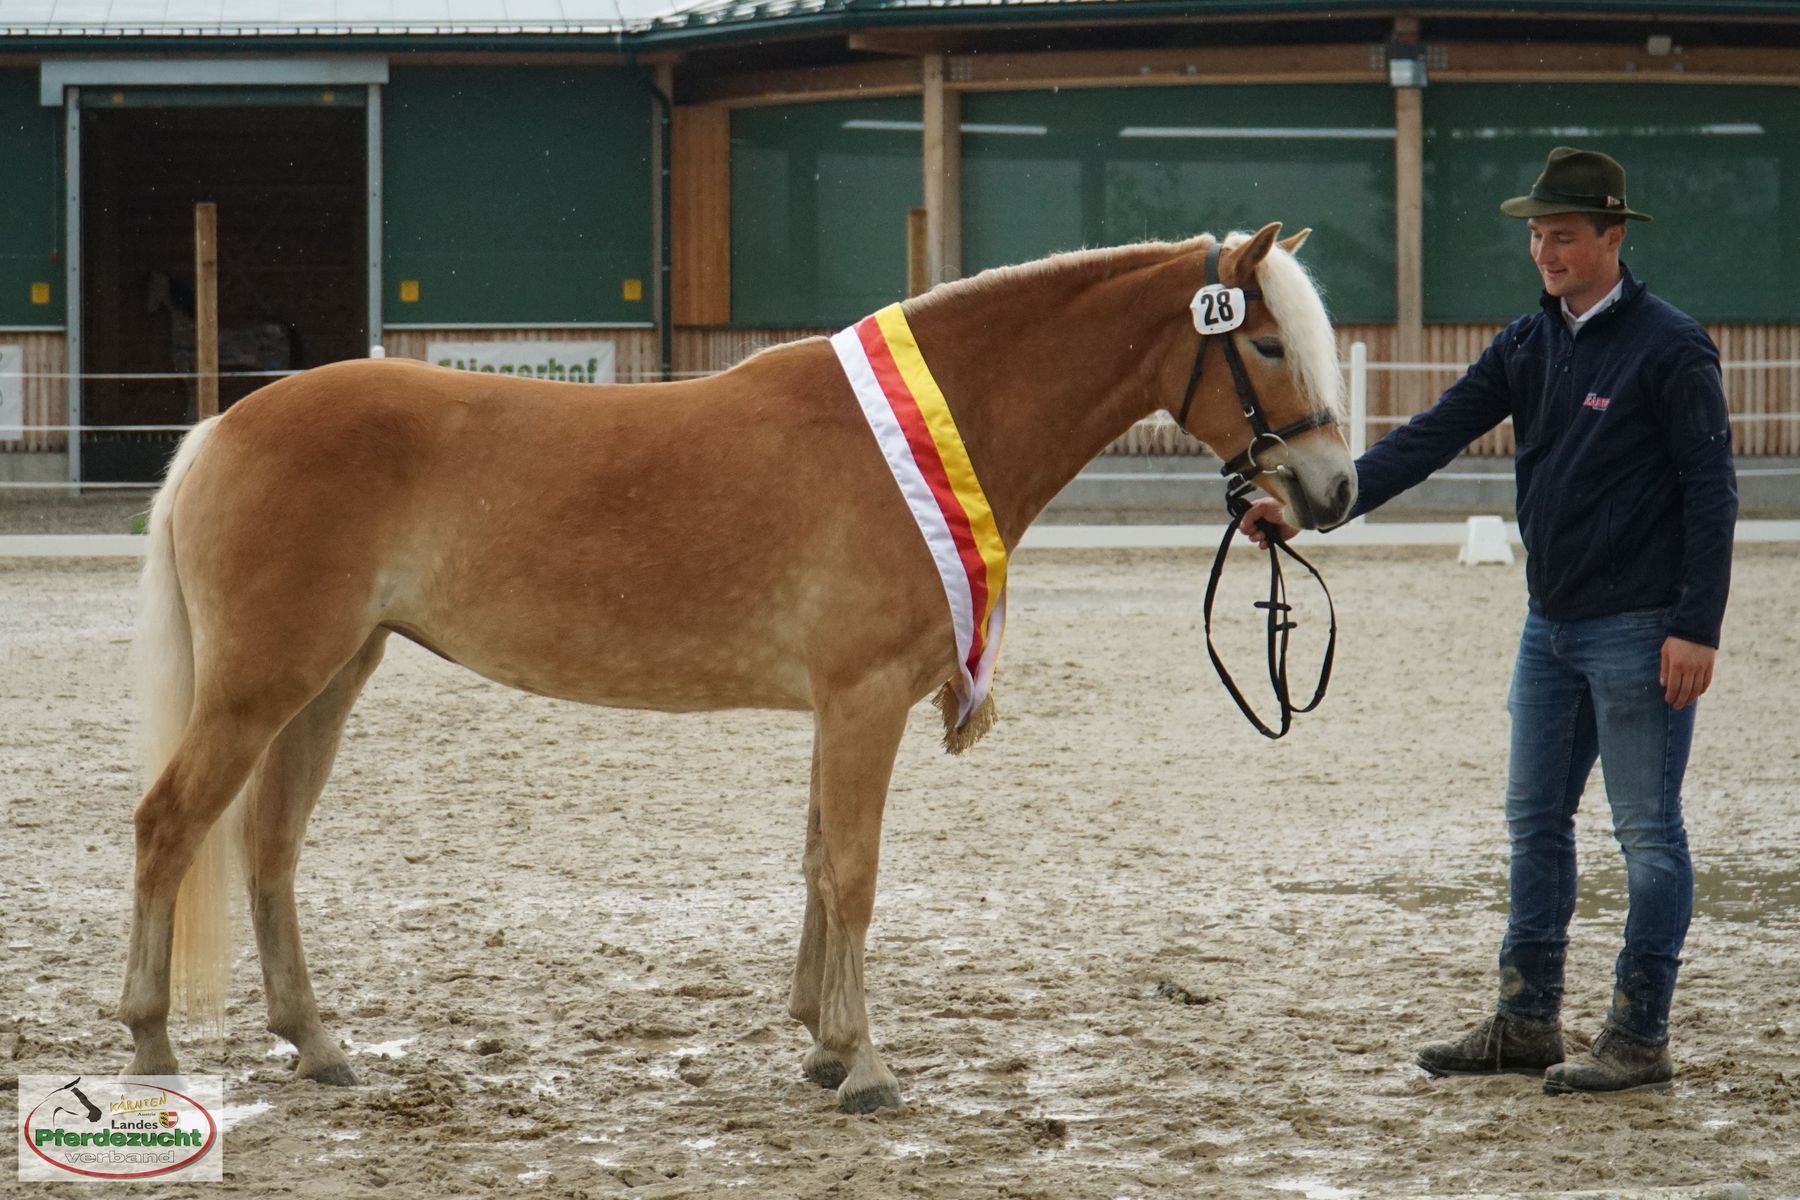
[[918, 438]]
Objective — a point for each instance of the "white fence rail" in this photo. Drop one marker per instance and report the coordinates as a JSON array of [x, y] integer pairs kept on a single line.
[[1358, 370]]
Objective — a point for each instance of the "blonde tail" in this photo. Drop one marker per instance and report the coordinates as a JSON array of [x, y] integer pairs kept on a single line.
[[200, 966]]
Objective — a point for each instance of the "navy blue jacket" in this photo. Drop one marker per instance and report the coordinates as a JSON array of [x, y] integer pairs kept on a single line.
[[1627, 497]]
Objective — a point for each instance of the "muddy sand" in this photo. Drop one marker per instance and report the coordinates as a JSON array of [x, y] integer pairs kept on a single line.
[[1124, 947]]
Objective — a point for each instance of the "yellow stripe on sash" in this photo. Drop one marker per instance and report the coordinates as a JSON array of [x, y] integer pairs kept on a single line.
[[955, 455]]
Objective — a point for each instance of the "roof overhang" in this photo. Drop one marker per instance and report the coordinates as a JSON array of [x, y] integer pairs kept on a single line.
[[343, 70], [634, 25]]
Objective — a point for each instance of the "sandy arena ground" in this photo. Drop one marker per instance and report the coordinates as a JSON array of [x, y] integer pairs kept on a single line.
[[1123, 948]]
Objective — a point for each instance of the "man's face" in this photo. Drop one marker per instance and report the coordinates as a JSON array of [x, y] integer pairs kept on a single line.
[[1576, 263]]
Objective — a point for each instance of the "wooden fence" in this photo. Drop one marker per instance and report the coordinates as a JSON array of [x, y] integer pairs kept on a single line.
[[1762, 376]]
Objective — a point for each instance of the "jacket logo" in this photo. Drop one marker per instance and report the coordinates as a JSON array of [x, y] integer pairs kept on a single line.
[[1596, 402]]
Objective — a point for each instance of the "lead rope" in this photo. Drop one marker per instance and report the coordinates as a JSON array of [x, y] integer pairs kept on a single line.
[[1280, 621], [1239, 474]]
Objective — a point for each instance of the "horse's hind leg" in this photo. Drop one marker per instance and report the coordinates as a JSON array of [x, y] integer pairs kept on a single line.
[[859, 732], [210, 764], [283, 792]]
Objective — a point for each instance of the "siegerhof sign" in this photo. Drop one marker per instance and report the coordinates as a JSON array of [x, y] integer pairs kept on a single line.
[[572, 362]]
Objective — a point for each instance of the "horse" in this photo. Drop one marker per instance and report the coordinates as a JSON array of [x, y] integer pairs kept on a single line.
[[729, 542]]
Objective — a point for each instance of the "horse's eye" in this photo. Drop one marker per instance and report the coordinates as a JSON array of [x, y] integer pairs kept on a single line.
[[1269, 347]]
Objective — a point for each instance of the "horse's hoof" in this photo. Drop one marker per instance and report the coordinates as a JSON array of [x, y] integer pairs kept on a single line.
[[153, 1064], [824, 1068], [869, 1099], [331, 1074]]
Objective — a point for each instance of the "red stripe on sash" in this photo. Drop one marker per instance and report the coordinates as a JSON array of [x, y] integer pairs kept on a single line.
[[931, 466]]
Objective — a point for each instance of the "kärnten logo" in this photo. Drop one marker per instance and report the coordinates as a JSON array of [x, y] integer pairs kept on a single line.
[[119, 1127]]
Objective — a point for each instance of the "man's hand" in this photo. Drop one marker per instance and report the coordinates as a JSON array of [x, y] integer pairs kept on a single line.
[[1266, 510], [1687, 669]]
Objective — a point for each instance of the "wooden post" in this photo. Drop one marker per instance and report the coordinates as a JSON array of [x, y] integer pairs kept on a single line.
[[943, 172], [918, 260], [206, 307], [662, 158], [700, 215], [1409, 228]]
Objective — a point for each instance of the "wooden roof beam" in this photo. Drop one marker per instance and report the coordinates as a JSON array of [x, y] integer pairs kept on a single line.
[[1610, 16], [1359, 62], [1609, 62], [907, 43], [892, 77]]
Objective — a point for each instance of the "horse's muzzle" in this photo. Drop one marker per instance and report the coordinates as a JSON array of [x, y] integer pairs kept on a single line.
[[1320, 502]]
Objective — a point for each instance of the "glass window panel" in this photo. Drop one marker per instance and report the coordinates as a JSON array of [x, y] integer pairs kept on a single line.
[[1717, 167], [994, 232], [1054, 170], [819, 196]]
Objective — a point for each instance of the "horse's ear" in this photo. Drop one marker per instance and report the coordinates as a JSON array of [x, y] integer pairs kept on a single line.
[[1292, 244], [1238, 267]]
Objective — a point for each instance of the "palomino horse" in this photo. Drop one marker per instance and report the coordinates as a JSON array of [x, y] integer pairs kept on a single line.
[[731, 542]]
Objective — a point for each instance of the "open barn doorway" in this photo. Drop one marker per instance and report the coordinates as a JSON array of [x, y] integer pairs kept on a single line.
[[288, 171]]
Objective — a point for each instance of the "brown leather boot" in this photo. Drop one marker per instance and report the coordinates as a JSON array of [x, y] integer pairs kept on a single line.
[[1617, 1063], [1500, 1045]]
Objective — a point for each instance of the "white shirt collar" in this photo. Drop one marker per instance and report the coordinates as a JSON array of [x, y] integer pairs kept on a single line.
[[1607, 301]]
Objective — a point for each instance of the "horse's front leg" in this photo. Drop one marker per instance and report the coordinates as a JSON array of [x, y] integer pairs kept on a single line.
[[858, 735], [820, 1065]]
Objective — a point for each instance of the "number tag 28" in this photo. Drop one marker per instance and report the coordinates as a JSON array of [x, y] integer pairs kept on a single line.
[[1218, 309]]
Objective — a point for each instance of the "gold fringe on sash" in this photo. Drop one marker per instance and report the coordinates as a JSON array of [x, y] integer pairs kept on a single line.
[[984, 718]]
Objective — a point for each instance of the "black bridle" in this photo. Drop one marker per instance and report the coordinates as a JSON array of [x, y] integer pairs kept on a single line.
[[1240, 476]]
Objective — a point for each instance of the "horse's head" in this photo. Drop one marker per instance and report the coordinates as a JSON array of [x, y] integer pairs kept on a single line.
[[1276, 412]]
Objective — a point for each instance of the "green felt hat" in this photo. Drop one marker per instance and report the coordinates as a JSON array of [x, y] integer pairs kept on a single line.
[[1575, 181]]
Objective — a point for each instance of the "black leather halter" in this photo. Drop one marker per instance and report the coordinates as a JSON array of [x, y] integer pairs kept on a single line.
[[1240, 475]]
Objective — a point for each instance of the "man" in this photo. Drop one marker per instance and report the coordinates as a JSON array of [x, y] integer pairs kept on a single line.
[[1627, 502]]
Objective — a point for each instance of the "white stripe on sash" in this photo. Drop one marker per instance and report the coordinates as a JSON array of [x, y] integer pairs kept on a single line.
[[930, 518]]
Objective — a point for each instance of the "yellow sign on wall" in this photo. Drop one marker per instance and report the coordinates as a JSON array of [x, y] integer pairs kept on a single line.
[[40, 293], [633, 289], [409, 291]]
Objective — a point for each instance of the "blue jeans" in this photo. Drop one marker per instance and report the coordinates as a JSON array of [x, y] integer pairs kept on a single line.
[[1583, 690]]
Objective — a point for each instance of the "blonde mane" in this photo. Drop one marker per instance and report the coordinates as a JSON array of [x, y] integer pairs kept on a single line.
[[1287, 288], [1294, 299]]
